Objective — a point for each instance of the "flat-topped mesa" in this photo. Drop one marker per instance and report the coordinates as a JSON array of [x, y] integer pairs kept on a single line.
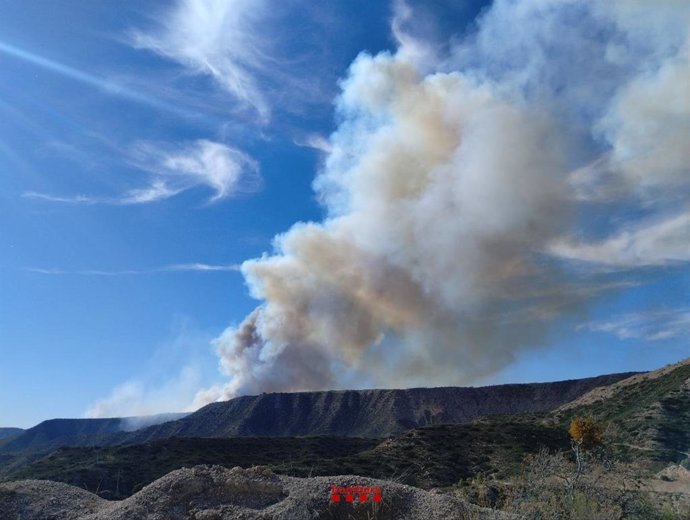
[[367, 413]]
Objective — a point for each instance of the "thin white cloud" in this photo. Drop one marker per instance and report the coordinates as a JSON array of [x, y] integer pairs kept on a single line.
[[105, 85], [178, 168], [203, 267], [654, 325], [227, 171], [158, 190], [76, 199], [650, 244], [218, 38], [85, 272], [315, 142], [191, 267], [39, 270]]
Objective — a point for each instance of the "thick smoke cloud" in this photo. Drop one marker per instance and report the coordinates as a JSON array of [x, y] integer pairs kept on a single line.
[[453, 197]]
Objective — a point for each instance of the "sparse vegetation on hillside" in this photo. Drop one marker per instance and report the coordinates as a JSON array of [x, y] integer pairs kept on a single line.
[[581, 484], [553, 487], [440, 456], [651, 418]]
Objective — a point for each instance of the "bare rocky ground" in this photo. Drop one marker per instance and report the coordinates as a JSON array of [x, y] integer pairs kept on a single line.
[[672, 486], [217, 493]]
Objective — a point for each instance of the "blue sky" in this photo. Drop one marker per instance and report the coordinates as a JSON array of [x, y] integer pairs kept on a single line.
[[148, 149]]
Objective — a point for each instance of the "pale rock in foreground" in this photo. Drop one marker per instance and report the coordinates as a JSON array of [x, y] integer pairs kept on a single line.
[[218, 493]]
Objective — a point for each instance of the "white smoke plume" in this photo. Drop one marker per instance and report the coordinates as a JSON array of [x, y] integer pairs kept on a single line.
[[143, 404], [452, 197]]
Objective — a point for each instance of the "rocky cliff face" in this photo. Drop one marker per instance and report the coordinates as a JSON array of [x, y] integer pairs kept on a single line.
[[367, 413]]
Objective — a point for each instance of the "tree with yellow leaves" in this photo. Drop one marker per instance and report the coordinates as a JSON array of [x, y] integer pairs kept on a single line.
[[585, 434]]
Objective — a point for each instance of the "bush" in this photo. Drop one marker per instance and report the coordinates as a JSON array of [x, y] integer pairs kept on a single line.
[[550, 490]]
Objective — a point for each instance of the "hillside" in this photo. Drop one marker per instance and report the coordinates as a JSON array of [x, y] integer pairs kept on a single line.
[[425, 457], [443, 455], [648, 414], [119, 471]]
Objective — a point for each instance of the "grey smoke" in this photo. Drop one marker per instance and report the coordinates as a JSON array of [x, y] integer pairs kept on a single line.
[[130, 424]]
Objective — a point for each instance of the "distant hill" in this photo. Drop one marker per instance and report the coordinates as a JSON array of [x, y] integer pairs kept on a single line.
[[9, 432], [54, 433]]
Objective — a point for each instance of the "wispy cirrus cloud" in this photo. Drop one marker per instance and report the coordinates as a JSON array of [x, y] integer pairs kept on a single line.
[[226, 170], [655, 325], [249, 50], [203, 267], [315, 142], [74, 199], [218, 38], [656, 243], [158, 190], [191, 267], [103, 84], [175, 168]]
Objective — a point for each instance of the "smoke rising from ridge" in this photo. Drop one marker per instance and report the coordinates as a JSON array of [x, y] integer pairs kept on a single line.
[[452, 197]]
